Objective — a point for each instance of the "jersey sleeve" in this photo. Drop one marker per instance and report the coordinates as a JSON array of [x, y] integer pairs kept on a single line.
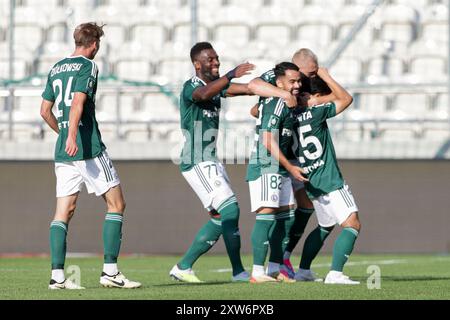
[[271, 114], [48, 93], [189, 89], [324, 111], [269, 76], [86, 78]]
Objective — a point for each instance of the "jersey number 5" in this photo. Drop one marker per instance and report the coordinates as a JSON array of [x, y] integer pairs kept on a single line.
[[305, 141]]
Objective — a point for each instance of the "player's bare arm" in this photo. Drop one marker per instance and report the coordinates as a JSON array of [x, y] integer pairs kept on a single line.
[[343, 98], [314, 100], [254, 112], [264, 89], [271, 145], [238, 89], [76, 110], [48, 116], [213, 88]]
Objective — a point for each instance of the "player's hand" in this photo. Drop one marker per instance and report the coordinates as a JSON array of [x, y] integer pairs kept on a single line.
[[243, 69], [290, 100], [322, 72], [298, 173], [71, 147]]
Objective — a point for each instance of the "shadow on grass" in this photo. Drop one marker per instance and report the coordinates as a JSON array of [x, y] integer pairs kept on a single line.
[[192, 284]]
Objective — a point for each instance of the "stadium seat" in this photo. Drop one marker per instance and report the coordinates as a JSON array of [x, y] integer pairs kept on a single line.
[[347, 70], [176, 69], [429, 67], [26, 107], [390, 66], [181, 33], [441, 106], [375, 105], [238, 108], [21, 68], [319, 34], [150, 34], [397, 23], [134, 69], [414, 104], [29, 34], [278, 34], [158, 107], [238, 33]]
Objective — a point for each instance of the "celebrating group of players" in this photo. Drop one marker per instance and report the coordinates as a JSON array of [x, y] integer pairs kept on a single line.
[[293, 162], [293, 154]]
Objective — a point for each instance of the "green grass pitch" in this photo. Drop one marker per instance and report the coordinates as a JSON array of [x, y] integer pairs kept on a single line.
[[402, 277]]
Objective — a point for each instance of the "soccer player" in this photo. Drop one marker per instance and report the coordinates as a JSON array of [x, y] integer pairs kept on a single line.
[[332, 199], [268, 174], [307, 63], [80, 157], [199, 109]]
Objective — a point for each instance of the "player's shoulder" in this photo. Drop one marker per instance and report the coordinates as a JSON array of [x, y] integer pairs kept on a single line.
[[274, 105], [193, 82], [320, 107], [324, 105], [268, 76]]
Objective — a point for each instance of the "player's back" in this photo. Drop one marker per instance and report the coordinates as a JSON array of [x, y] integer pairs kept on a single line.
[[66, 77]]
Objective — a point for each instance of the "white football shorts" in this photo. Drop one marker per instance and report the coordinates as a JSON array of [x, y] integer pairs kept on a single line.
[[334, 207], [98, 174], [271, 191], [210, 182]]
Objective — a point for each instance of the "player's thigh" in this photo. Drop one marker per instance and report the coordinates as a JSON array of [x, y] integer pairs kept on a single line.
[[69, 179], [210, 182], [302, 199]]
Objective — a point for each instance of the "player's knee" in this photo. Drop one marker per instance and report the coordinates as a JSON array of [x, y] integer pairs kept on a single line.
[[352, 222], [117, 207]]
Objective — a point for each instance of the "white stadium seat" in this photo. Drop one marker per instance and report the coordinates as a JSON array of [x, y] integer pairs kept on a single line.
[[134, 69]]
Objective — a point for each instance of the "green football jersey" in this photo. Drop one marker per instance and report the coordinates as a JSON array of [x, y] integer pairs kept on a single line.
[[269, 76], [70, 75], [316, 151], [274, 116], [199, 124]]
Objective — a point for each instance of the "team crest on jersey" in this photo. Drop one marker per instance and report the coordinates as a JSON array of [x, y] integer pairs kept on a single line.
[[273, 120], [274, 198]]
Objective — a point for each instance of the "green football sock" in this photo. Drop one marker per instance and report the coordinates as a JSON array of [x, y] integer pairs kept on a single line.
[[312, 246], [260, 237], [229, 216], [204, 240], [58, 245], [301, 219], [112, 236], [287, 227], [276, 236], [343, 247]]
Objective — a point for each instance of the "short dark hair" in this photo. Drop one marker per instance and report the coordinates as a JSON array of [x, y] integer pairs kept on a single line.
[[199, 47], [87, 33], [281, 68], [317, 85]]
